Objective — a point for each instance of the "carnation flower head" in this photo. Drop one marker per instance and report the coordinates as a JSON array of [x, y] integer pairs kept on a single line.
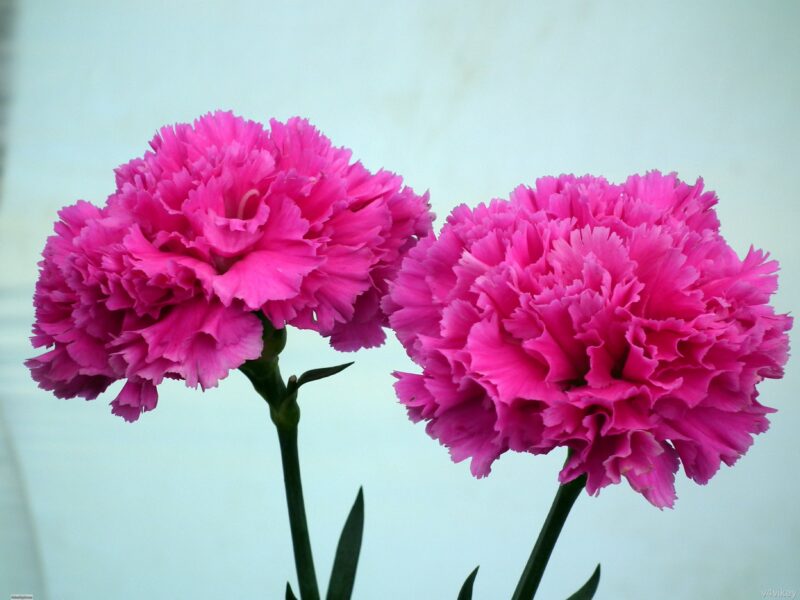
[[222, 220], [613, 320]]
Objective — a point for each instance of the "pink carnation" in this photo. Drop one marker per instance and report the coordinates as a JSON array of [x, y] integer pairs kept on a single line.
[[610, 319], [222, 219]]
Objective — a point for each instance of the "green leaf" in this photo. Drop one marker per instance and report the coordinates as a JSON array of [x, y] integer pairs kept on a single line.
[[289, 593], [314, 375], [466, 589], [589, 588], [343, 574]]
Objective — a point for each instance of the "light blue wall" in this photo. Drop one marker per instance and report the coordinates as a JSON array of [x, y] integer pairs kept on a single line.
[[467, 99]]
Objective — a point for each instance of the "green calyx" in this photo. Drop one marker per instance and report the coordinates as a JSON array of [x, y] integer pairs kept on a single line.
[[265, 375]]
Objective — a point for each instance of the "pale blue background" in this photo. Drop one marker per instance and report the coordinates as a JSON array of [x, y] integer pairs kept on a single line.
[[467, 99]]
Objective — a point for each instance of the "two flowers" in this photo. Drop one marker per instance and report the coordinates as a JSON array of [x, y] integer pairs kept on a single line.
[[610, 319]]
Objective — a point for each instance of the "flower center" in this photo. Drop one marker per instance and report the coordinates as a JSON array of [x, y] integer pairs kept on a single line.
[[240, 212]]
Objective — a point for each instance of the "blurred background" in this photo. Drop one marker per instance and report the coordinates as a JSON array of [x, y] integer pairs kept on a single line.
[[466, 99]]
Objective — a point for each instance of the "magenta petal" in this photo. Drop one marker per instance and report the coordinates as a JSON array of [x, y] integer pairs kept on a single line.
[[266, 275], [204, 342], [468, 432], [655, 481], [364, 330], [136, 397], [511, 370], [705, 437], [412, 393]]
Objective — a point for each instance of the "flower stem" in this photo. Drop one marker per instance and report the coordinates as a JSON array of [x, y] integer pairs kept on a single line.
[[303, 560], [534, 569], [265, 375]]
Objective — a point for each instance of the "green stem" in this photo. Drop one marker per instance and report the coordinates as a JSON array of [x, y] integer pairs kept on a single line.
[[265, 375], [534, 569], [303, 560]]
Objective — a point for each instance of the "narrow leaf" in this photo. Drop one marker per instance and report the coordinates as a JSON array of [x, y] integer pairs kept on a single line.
[[466, 589], [322, 373], [289, 593], [589, 588], [343, 574]]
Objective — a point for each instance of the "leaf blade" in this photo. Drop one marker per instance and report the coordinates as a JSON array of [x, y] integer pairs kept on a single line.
[[345, 564], [289, 593], [316, 374], [466, 589], [589, 588]]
